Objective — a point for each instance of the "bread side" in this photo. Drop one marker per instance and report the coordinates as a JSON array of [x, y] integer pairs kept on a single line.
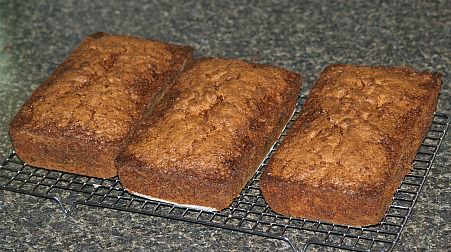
[[81, 116], [210, 132], [352, 144]]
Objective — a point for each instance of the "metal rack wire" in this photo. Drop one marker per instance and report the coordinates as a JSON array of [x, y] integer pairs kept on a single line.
[[248, 213]]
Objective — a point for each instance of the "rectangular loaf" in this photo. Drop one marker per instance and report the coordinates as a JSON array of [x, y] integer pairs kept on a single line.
[[352, 144], [210, 132], [80, 117]]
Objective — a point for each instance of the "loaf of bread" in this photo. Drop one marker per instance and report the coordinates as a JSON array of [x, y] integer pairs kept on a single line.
[[81, 116], [209, 133], [352, 144]]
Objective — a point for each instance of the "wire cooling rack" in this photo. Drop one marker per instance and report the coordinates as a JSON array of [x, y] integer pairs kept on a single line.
[[248, 213]]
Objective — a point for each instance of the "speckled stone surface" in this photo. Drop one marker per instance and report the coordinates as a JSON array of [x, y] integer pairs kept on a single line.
[[303, 36]]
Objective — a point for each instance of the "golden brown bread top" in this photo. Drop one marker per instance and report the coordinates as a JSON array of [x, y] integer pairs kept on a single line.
[[211, 115], [102, 88], [350, 131]]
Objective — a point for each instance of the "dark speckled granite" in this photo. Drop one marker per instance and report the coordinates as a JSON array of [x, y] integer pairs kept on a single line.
[[303, 36]]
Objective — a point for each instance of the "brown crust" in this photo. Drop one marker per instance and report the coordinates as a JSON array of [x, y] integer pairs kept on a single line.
[[352, 144], [81, 116], [206, 138]]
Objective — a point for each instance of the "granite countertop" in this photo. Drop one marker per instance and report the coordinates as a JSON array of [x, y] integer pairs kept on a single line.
[[303, 36]]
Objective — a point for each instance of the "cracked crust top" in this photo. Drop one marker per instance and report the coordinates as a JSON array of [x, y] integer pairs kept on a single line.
[[101, 89], [353, 127], [214, 114]]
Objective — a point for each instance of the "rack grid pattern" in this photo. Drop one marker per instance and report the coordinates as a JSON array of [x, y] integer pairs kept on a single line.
[[248, 213]]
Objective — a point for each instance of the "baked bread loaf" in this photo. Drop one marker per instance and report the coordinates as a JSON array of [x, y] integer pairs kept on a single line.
[[352, 144], [208, 135], [81, 116]]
